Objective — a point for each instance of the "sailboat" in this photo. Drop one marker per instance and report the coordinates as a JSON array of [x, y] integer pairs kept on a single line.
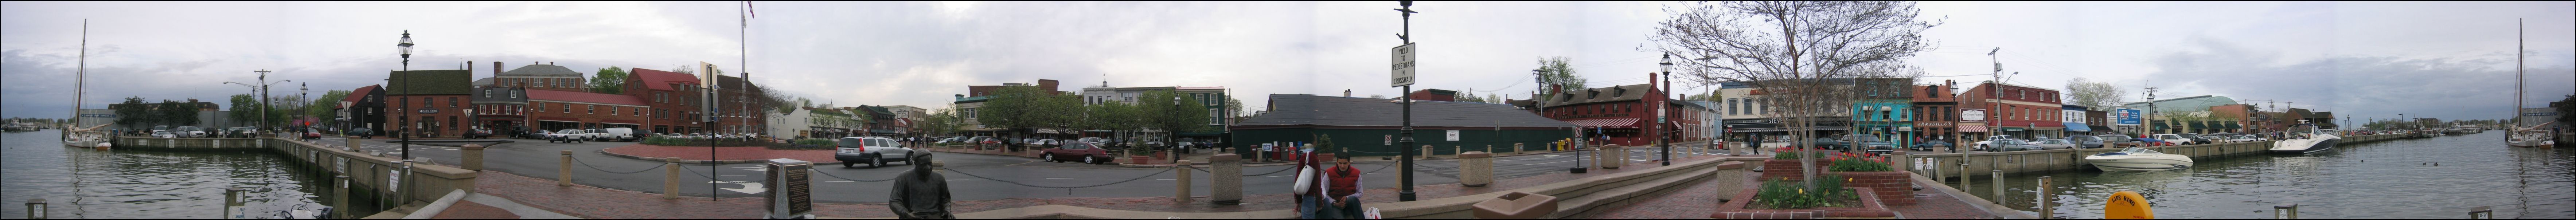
[[78, 136], [2524, 136]]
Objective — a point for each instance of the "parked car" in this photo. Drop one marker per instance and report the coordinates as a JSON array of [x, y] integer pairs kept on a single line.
[[1046, 143], [1931, 145], [566, 136], [2244, 138], [241, 132], [160, 128], [2053, 144], [310, 134], [1087, 152], [2172, 139], [874, 151], [2086, 141], [619, 134], [2193, 138], [1981, 145], [363, 133], [2007, 145], [190, 132], [1092, 140], [539, 134], [164, 134]]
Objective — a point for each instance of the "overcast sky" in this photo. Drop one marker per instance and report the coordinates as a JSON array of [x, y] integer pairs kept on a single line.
[[2451, 60]]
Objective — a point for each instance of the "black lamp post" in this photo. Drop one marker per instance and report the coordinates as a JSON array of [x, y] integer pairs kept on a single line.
[[405, 120], [1407, 130], [1667, 136]]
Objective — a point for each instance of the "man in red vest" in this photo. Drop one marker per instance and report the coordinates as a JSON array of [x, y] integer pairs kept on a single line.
[[1342, 194]]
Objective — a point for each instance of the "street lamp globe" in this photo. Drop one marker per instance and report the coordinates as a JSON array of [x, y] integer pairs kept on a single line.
[[405, 46]]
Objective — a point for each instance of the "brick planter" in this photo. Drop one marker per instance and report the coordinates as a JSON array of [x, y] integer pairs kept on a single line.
[[1139, 159], [1893, 188], [1870, 208], [1774, 169]]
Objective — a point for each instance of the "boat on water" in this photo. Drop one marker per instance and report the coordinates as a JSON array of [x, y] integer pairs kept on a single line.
[[2530, 137], [2305, 138], [2138, 159]]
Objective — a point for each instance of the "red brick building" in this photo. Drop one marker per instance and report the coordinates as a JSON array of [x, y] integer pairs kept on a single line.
[[1622, 113], [742, 112], [1433, 95], [1936, 111], [2022, 111], [670, 98], [433, 100], [553, 110]]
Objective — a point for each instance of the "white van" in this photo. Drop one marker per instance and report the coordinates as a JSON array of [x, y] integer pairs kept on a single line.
[[619, 134]]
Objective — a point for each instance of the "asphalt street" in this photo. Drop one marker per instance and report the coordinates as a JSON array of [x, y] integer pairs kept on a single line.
[[972, 176]]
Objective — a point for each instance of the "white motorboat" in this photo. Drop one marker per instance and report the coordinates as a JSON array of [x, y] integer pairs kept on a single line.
[[2305, 138], [2138, 159]]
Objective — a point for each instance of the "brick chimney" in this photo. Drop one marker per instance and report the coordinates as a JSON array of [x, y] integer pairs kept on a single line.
[[496, 68], [1346, 93]]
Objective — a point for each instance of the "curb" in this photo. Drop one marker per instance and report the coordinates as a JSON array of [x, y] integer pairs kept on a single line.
[[688, 161], [444, 144]]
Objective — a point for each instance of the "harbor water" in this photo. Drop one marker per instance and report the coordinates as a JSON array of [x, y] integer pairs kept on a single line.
[[2393, 179], [81, 183]]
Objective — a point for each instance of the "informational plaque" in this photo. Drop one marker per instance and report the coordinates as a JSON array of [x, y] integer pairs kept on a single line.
[[794, 198]]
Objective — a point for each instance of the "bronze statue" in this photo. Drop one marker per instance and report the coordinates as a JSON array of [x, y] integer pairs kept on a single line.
[[920, 193]]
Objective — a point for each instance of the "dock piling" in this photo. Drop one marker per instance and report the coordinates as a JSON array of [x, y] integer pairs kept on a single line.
[[2046, 204], [1999, 184]]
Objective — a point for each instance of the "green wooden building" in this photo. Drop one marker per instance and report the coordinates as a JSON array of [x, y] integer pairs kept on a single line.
[[1364, 126]]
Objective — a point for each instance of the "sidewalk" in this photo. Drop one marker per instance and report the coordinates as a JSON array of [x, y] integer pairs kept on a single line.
[[600, 203], [1700, 200]]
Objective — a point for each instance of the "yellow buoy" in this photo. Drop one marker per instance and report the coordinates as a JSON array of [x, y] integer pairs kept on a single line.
[[2127, 205]]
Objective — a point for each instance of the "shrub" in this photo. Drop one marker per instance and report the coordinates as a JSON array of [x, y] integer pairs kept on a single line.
[[1849, 162], [1792, 153], [1782, 194]]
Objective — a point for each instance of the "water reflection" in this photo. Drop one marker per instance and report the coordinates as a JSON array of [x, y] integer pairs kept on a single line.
[[133, 184], [2389, 179]]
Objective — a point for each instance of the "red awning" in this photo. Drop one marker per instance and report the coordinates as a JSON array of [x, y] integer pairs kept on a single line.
[[1614, 122], [1972, 128]]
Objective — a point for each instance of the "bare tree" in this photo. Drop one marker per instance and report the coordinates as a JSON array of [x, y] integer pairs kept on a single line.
[[2093, 95], [1788, 49], [1556, 71]]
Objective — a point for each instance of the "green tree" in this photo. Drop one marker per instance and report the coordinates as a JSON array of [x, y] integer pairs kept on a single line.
[[2093, 94], [940, 121], [1113, 116], [245, 108], [134, 112], [2566, 110], [1557, 71], [1787, 47], [611, 80], [323, 107], [1163, 110], [1022, 107], [177, 113]]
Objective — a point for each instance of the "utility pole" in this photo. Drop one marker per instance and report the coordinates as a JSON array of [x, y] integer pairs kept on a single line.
[[2151, 112], [263, 99]]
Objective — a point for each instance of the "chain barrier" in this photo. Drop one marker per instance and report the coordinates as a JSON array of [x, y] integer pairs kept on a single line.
[[846, 178], [1432, 167], [1290, 167], [596, 167], [1061, 187]]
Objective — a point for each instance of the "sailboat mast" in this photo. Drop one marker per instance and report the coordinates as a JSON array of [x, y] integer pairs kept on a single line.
[[80, 89]]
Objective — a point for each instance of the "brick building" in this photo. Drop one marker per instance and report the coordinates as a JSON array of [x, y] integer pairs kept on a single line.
[[431, 100], [671, 100], [742, 111], [1936, 112], [502, 109], [540, 76], [1622, 114], [366, 108], [553, 110], [2020, 111]]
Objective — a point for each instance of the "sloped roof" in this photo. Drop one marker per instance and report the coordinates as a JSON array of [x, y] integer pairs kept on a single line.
[[1301, 109], [1603, 94], [360, 95], [541, 69], [660, 80], [431, 82], [564, 96], [485, 81]]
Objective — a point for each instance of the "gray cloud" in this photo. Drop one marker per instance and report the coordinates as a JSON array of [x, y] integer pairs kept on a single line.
[[2367, 86]]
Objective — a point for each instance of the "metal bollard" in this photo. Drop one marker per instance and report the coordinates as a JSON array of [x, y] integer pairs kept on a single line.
[[2046, 206], [2480, 212], [1999, 185], [35, 208], [563, 172], [2290, 211], [670, 178]]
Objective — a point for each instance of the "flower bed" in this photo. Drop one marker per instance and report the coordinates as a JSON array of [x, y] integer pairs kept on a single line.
[[1742, 208]]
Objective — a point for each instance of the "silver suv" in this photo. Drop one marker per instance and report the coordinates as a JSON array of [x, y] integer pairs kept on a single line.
[[871, 150]]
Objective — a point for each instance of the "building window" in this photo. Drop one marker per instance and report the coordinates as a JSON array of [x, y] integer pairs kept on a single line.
[[487, 92], [567, 108], [514, 93], [451, 102], [661, 97], [637, 111], [612, 111]]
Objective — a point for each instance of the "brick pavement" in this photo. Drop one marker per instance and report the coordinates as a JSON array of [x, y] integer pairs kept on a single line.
[[472, 210], [1700, 200], [721, 153], [598, 203]]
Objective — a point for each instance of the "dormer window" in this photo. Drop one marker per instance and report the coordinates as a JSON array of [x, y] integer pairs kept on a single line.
[[1592, 94]]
